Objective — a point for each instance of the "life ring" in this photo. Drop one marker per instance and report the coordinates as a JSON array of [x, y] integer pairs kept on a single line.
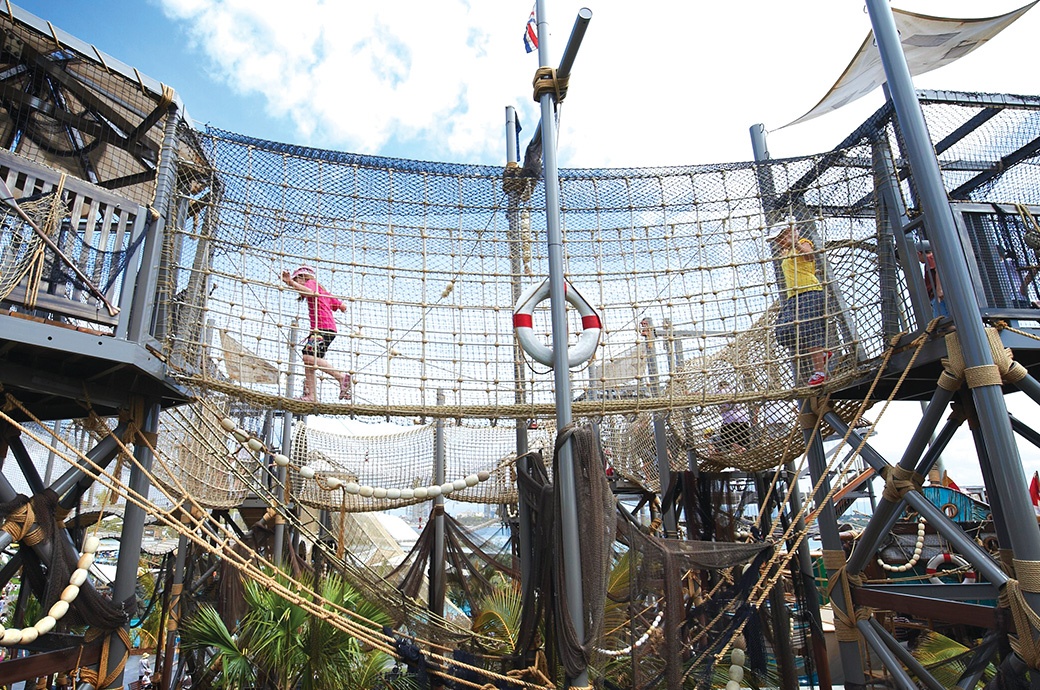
[[932, 569], [523, 324]]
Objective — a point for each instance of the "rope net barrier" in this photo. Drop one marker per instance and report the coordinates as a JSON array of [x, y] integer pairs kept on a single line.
[[428, 260]]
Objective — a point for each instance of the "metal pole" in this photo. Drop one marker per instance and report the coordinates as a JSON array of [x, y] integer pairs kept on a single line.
[[780, 616], [145, 305], [887, 512], [48, 473], [851, 661], [176, 609], [436, 594], [803, 566], [125, 585], [519, 373], [960, 542], [287, 422], [565, 476], [1010, 479], [664, 474]]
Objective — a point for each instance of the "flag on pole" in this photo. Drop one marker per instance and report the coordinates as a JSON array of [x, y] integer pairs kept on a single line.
[[531, 33], [1034, 492], [949, 483]]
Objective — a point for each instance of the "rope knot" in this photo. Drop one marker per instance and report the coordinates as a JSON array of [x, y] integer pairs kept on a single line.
[[899, 482], [546, 81]]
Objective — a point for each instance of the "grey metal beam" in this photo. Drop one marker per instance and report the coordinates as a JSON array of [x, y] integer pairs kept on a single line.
[[902, 654], [962, 543], [849, 652], [437, 551], [124, 587], [887, 511], [564, 479], [989, 402]]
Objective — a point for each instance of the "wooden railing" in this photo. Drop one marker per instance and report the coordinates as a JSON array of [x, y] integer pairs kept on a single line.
[[88, 269]]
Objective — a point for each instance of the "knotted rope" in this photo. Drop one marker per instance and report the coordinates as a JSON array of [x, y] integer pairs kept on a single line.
[[899, 482], [546, 81], [837, 576], [1026, 619], [1003, 370]]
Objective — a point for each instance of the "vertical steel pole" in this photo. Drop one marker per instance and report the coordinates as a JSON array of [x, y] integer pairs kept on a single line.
[[803, 567], [125, 585], [565, 474], [436, 594], [146, 306], [176, 609], [1009, 477], [519, 378]]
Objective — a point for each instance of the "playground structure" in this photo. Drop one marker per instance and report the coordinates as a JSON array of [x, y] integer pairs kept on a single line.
[[143, 308]]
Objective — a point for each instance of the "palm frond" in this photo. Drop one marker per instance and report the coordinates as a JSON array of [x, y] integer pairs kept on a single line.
[[499, 616], [206, 630]]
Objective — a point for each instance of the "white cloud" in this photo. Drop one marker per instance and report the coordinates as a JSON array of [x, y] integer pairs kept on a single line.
[[664, 83]]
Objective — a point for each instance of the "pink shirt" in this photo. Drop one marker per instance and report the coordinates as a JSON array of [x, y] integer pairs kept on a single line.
[[320, 308]]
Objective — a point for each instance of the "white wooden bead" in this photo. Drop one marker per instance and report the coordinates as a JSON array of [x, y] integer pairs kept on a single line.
[[352, 487], [472, 480], [334, 482], [379, 492], [420, 492], [281, 460], [228, 423], [447, 487], [91, 545], [366, 491], [307, 472], [240, 435], [732, 685], [29, 635], [78, 577], [393, 493], [459, 484], [736, 673], [255, 445], [70, 593], [737, 656], [407, 493], [11, 636], [45, 624], [58, 610], [85, 561]]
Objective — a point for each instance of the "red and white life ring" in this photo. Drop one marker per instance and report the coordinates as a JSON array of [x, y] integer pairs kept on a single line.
[[523, 324], [932, 569]]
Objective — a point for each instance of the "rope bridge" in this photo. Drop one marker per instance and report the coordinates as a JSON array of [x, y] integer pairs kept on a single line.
[[428, 260]]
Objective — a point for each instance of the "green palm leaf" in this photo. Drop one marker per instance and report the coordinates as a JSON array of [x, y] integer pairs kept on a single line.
[[206, 630], [499, 616]]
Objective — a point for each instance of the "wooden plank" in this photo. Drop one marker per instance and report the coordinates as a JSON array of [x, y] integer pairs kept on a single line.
[[46, 663], [924, 607]]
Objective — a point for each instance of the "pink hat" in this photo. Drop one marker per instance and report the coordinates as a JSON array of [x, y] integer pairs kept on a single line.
[[303, 270]]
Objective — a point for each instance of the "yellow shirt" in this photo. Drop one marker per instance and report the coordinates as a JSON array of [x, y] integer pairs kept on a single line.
[[800, 272]]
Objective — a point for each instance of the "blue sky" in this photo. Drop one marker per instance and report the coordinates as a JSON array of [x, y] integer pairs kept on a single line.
[[667, 82]]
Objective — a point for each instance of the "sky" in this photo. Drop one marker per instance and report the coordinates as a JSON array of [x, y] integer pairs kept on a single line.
[[666, 82]]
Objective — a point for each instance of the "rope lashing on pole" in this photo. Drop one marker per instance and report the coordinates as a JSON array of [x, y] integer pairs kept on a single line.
[[899, 482], [546, 81], [844, 623], [1003, 370], [1025, 644]]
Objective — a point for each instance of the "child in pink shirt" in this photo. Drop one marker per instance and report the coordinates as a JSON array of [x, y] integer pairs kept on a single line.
[[320, 307]]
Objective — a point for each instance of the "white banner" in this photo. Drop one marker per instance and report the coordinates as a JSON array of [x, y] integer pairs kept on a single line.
[[928, 43]]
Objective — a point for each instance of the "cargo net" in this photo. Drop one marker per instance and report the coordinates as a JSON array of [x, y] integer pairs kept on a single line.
[[428, 260]]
